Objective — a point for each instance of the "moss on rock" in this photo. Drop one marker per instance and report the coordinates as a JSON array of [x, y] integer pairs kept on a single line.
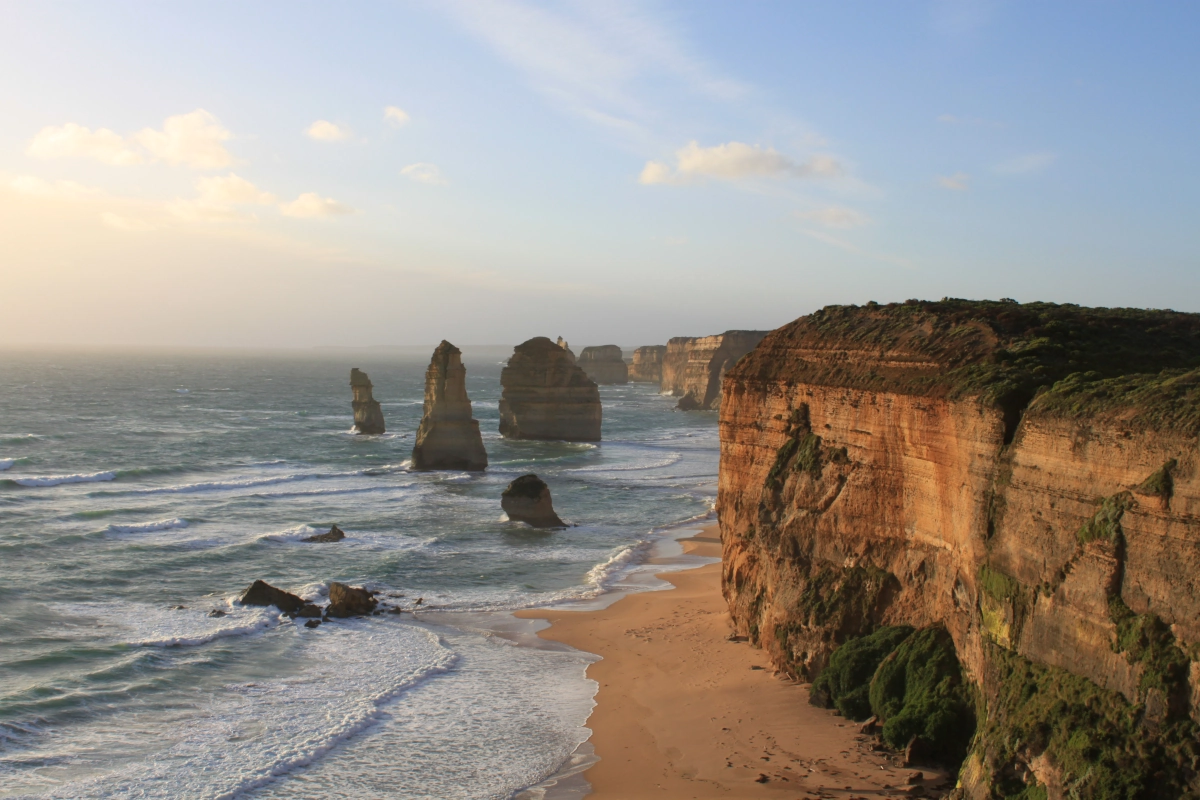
[[847, 679]]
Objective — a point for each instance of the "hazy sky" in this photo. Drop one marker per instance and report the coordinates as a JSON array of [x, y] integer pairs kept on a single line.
[[302, 173]]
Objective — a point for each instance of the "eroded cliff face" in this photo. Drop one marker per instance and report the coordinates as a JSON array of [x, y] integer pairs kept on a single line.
[[546, 396], [647, 364], [449, 436], [368, 416], [604, 364], [891, 466], [692, 367]]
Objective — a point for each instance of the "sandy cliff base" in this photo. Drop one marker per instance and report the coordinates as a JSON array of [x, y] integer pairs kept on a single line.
[[683, 712]]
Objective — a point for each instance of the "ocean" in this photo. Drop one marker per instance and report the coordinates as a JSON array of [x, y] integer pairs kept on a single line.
[[142, 491]]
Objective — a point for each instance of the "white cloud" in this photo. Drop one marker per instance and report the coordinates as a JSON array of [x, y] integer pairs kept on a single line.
[[40, 187], [325, 131], [396, 115], [311, 204], [194, 139], [835, 217], [957, 182], [1030, 162], [125, 223], [75, 141], [424, 173], [735, 161], [218, 199]]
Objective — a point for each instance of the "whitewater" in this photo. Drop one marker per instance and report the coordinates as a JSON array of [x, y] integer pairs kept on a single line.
[[141, 492]]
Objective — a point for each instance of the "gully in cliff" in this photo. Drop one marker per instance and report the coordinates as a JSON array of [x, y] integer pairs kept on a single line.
[[448, 437], [546, 396], [368, 416]]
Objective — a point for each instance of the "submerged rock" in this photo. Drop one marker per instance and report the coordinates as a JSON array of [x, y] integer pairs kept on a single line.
[[604, 364], [448, 437], [647, 366], [335, 535], [349, 601], [527, 499], [368, 416], [262, 593], [546, 396]]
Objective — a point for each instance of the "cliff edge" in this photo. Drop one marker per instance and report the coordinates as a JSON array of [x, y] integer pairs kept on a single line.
[[980, 523], [692, 367]]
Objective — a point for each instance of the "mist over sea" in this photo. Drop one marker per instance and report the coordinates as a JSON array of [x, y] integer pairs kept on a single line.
[[141, 491]]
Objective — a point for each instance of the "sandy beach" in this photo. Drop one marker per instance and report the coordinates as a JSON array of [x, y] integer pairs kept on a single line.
[[684, 712]]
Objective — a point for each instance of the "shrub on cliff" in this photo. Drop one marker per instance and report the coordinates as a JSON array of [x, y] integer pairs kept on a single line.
[[847, 679]]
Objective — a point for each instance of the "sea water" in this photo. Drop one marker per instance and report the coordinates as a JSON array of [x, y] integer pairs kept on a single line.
[[141, 492]]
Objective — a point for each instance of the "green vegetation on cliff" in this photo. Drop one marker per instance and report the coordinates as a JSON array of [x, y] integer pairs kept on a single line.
[[847, 679], [1167, 400]]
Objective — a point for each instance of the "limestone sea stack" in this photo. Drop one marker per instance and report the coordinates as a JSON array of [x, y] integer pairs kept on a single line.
[[604, 364], [368, 416], [527, 499], [647, 364], [448, 437], [563, 344], [546, 396], [693, 366]]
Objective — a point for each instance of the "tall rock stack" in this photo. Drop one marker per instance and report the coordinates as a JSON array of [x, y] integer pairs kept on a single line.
[[563, 344], [546, 396], [448, 437], [647, 366], [604, 364], [693, 366], [368, 416]]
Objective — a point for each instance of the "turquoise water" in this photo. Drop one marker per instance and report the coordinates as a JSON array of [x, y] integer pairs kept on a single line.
[[132, 484]]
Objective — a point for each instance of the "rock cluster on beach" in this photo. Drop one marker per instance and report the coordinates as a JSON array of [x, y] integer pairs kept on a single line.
[[692, 367], [368, 416], [349, 601], [527, 499], [546, 396], [449, 436], [604, 364], [647, 364]]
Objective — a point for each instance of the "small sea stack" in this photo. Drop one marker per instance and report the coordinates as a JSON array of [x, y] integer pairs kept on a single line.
[[527, 499], [368, 416], [604, 364], [449, 436], [647, 366], [563, 344], [349, 601], [546, 396]]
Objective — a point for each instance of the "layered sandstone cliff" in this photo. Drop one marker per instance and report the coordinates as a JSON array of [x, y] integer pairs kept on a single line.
[[1020, 485], [604, 364], [449, 436], [692, 367], [546, 396], [647, 366], [368, 416]]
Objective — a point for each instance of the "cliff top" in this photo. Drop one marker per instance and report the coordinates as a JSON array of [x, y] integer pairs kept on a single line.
[[1001, 350], [685, 339], [603, 352]]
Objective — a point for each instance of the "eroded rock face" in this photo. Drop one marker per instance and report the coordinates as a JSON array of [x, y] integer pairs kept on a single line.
[[527, 499], [368, 416], [262, 593], [887, 466], [695, 366], [349, 601], [448, 437], [604, 364], [546, 396], [563, 344], [647, 364]]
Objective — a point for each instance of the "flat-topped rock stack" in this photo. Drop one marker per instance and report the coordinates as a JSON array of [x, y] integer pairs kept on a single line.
[[449, 436], [693, 366], [368, 416], [647, 366], [604, 364], [546, 396]]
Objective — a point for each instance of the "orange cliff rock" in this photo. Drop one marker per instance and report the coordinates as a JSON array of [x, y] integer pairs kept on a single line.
[[546, 396], [692, 368], [368, 416], [1024, 476], [449, 436], [647, 364]]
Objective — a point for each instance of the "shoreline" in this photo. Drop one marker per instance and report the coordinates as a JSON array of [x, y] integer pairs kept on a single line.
[[684, 711]]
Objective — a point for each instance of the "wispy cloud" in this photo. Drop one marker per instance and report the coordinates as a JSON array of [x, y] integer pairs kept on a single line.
[[397, 116], [850, 247], [128, 224], [1030, 162], [195, 139], [220, 199], [835, 217], [735, 161], [422, 172], [325, 131], [63, 190], [75, 141], [311, 204], [958, 182]]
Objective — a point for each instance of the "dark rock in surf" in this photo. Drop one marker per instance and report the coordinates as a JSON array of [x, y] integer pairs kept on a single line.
[[262, 593], [349, 601], [217, 613], [312, 623], [335, 535], [527, 499]]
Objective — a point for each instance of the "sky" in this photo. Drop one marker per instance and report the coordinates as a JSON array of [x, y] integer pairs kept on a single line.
[[297, 174]]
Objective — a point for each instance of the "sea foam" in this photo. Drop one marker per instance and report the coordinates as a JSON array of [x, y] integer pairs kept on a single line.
[[58, 480], [149, 527]]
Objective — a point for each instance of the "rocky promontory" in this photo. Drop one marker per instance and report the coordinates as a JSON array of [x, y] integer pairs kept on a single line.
[[368, 416], [692, 367], [546, 396], [527, 499], [647, 366], [979, 522], [449, 436], [604, 364]]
